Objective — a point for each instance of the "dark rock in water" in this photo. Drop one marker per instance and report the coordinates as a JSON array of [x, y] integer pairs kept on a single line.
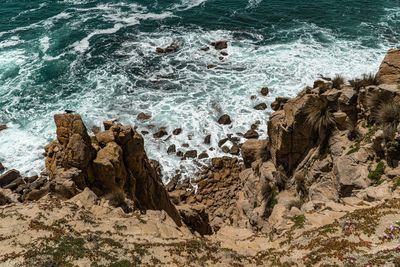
[[254, 126], [224, 119], [179, 153], [234, 139], [258, 122], [161, 132], [108, 124], [206, 48], [225, 149], [207, 139], [261, 106], [190, 154], [224, 53], [185, 145], [69, 111], [171, 149], [219, 45], [3, 127], [235, 150], [222, 141], [253, 97], [264, 91], [251, 134], [177, 131], [211, 66], [203, 155], [9, 177], [2, 168], [169, 49], [172, 183], [143, 116], [221, 58], [278, 103], [144, 132]]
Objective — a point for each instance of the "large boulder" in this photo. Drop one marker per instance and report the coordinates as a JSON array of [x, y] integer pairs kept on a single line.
[[389, 71], [252, 150], [290, 137]]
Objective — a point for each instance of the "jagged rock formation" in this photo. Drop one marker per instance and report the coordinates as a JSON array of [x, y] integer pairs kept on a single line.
[[389, 71]]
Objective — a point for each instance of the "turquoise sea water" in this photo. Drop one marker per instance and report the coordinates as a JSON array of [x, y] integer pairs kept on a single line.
[[98, 58]]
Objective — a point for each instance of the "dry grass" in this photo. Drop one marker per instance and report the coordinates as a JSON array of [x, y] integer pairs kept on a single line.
[[319, 116]]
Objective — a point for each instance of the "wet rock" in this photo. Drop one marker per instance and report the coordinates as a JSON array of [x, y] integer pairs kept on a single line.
[[3, 127], [169, 49], [107, 124], [203, 155], [9, 177], [278, 103], [179, 153], [261, 106], [143, 116], [219, 45], [253, 97], [264, 91], [207, 139], [235, 150], [225, 149], [254, 126], [224, 53], [144, 132], [251, 134], [225, 119], [161, 132], [185, 145], [2, 168], [171, 149], [222, 141], [190, 154], [211, 66], [206, 48], [177, 131], [95, 129]]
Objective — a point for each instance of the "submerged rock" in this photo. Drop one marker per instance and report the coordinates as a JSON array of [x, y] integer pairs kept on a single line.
[[251, 134], [173, 47], [264, 91], [3, 127], [160, 133], [177, 131], [261, 106], [143, 116], [219, 45]]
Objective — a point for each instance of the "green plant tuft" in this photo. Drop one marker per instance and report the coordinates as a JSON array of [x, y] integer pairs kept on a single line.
[[378, 172]]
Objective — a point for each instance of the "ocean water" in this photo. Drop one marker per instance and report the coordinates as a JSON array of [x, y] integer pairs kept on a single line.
[[98, 58]]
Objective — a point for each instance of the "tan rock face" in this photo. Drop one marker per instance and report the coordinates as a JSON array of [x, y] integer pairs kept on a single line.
[[117, 168], [389, 71], [289, 136]]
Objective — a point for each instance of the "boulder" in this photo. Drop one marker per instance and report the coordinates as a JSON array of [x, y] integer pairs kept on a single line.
[[160, 133], [278, 103], [3, 127], [251, 150], [251, 134], [173, 47], [8, 197], [143, 116], [219, 45], [261, 106], [289, 137], [2, 168], [190, 154], [264, 91], [235, 150], [389, 70], [177, 131], [207, 139], [171, 149], [9, 177], [203, 155], [224, 119]]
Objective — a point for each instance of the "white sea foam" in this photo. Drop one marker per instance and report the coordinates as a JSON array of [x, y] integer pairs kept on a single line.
[[187, 4]]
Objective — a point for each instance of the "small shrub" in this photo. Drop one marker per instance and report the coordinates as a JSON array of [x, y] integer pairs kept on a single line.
[[338, 81], [378, 172], [366, 80], [396, 183], [269, 196], [299, 221], [319, 116]]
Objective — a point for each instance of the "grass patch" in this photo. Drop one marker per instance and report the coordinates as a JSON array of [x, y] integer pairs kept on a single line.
[[299, 221], [378, 172], [396, 183]]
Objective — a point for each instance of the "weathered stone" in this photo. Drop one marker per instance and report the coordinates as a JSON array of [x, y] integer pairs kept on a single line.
[[264, 91], [190, 154], [261, 106], [219, 45], [278, 103], [235, 150], [224, 119], [251, 134], [177, 131], [2, 168], [251, 150], [171, 149], [143, 116], [389, 70], [222, 141], [9, 177], [161, 132], [225, 149], [203, 155], [207, 139]]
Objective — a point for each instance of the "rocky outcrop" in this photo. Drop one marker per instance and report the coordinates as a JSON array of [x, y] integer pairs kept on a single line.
[[113, 164], [389, 71]]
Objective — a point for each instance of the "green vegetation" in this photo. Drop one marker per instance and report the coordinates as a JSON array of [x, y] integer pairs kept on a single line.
[[378, 172], [299, 221], [364, 81]]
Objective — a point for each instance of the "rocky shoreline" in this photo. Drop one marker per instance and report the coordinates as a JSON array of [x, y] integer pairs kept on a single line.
[[322, 190]]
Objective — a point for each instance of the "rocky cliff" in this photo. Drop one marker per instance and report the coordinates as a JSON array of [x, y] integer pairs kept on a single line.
[[322, 190]]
